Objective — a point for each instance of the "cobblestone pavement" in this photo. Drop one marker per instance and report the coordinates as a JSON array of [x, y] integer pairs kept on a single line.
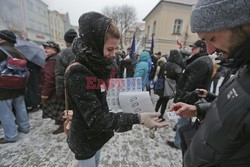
[[40, 148]]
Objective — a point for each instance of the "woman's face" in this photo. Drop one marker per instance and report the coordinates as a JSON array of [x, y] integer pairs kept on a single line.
[[49, 51], [110, 47]]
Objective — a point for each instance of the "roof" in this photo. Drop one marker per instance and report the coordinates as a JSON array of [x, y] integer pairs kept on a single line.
[[185, 2], [182, 2]]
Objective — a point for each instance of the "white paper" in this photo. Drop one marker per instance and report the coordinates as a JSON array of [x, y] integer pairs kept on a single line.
[[118, 85], [135, 102], [172, 115]]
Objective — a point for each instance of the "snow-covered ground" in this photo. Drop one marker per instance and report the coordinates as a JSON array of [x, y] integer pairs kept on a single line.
[[40, 148]]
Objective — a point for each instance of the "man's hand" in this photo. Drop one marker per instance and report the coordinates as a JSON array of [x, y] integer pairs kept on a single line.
[[151, 120], [184, 110], [202, 92]]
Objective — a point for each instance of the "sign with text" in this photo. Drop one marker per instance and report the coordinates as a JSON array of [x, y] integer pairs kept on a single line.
[[135, 102], [118, 85]]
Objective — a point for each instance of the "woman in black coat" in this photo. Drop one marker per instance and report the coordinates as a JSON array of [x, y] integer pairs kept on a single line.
[[92, 123], [171, 69]]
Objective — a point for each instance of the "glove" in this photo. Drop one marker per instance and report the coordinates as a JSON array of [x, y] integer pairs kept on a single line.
[[151, 120]]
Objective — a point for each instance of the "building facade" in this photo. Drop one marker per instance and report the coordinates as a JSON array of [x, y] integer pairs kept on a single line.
[[36, 20], [56, 24], [136, 29], [66, 21], [11, 16], [169, 21], [33, 20]]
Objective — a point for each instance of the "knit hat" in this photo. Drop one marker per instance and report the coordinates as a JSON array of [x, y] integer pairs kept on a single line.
[[70, 35], [8, 36], [52, 44], [215, 15]]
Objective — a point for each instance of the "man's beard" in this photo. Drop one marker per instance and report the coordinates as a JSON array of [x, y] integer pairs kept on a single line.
[[238, 38]]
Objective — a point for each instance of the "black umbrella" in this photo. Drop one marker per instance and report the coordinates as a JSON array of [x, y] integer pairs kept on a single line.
[[32, 51]]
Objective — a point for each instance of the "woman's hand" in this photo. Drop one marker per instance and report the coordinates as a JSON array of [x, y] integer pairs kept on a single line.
[[184, 110], [44, 99], [151, 120]]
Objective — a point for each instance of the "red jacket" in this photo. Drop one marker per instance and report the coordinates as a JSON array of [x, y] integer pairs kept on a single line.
[[48, 86]]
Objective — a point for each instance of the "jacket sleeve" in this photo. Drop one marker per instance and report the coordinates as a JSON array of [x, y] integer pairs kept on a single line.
[[59, 72], [2, 56], [95, 114], [202, 109], [64, 58], [61, 65]]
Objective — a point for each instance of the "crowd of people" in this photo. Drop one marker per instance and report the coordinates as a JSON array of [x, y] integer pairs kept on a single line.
[[211, 84]]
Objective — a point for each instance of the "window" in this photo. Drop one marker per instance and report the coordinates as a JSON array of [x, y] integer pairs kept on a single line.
[[45, 28], [154, 27], [148, 32], [31, 24], [177, 26], [30, 5]]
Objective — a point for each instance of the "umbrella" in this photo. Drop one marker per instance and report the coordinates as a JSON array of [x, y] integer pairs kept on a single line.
[[32, 51]]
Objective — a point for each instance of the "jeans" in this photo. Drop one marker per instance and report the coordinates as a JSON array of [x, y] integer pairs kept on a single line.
[[181, 122], [10, 121], [91, 162]]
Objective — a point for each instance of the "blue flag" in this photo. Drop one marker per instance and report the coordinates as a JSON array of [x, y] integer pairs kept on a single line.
[[132, 48]]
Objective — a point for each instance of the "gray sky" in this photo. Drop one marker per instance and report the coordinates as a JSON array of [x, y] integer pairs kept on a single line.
[[76, 8]]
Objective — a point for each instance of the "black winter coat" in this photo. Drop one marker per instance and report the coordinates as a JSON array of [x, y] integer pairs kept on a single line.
[[92, 124], [63, 59], [32, 92], [197, 74], [170, 70], [224, 137]]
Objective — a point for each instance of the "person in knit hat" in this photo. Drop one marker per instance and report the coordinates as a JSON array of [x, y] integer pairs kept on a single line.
[[223, 139], [63, 59], [8, 36], [92, 124], [12, 98], [69, 36]]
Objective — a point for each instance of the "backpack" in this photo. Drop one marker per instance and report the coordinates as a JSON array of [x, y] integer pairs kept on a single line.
[[13, 72]]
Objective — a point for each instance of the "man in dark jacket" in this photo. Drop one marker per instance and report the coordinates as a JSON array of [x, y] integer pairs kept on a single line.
[[64, 58], [224, 137], [10, 98], [197, 74]]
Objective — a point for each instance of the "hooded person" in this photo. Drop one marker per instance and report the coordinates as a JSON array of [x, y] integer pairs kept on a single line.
[[92, 123], [142, 67], [223, 137]]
